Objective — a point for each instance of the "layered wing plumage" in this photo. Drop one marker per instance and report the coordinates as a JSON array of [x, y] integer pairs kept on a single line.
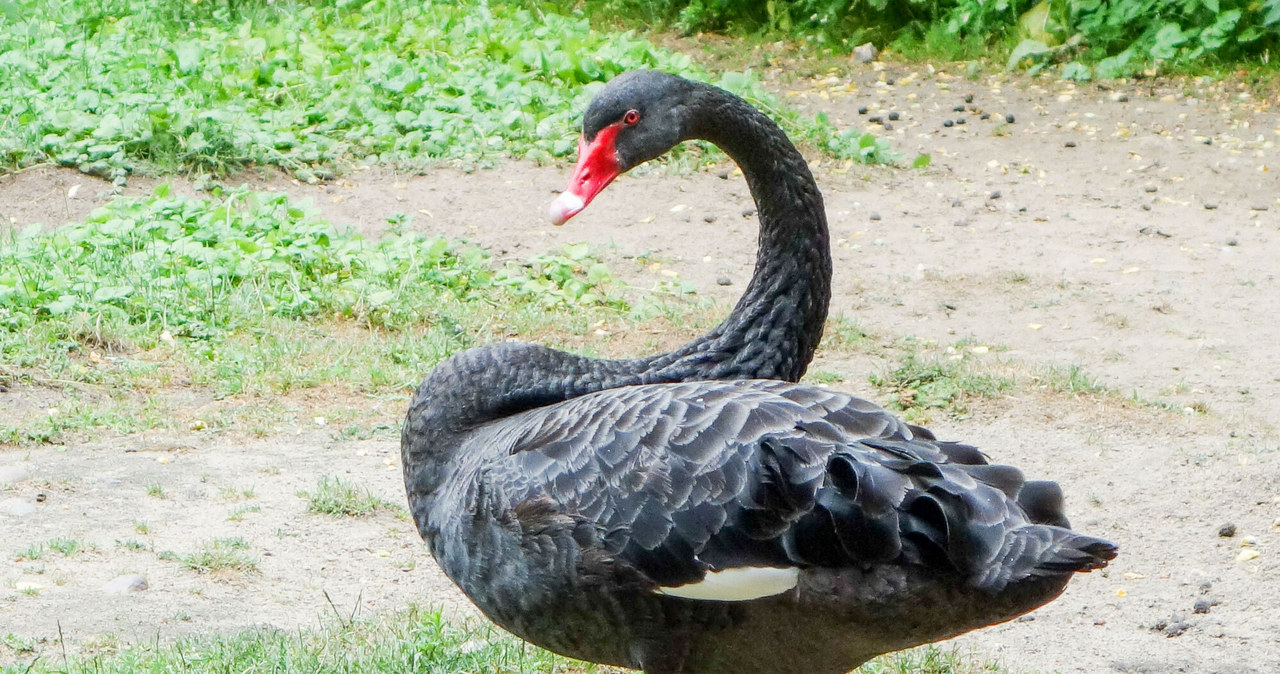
[[683, 480]]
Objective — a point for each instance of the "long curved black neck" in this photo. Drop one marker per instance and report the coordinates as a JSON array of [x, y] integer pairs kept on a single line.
[[771, 333], [777, 323]]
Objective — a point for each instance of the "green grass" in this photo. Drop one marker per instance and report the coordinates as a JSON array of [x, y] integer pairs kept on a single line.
[[337, 498], [920, 383], [69, 547], [312, 87], [414, 640], [227, 555]]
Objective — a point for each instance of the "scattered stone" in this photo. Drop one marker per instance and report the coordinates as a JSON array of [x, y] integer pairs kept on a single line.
[[1203, 606], [862, 110], [12, 474], [1258, 207], [865, 53], [948, 123], [995, 195], [748, 212], [1123, 98], [985, 116], [1071, 143], [1210, 206], [724, 175], [876, 119], [1175, 627], [16, 507], [1208, 141], [960, 121], [1009, 118], [890, 81], [724, 281], [875, 216], [894, 116], [957, 203], [968, 98], [125, 585], [888, 126], [1150, 189], [958, 108], [1233, 242], [1227, 530]]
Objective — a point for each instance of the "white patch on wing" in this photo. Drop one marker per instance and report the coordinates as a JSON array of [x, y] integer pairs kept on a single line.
[[740, 584]]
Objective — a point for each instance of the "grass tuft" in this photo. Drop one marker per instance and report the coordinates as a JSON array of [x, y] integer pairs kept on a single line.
[[226, 555], [336, 498]]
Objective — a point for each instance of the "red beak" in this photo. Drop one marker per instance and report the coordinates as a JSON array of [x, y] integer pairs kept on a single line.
[[597, 167]]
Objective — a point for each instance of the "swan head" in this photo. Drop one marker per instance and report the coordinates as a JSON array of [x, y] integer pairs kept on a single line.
[[636, 117]]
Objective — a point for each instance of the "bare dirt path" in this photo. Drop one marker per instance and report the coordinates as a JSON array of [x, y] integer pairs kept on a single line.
[[1133, 232]]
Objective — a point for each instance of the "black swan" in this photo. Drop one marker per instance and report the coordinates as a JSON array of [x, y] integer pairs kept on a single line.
[[681, 514]]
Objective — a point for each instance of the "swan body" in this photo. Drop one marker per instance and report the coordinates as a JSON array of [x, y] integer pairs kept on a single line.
[[697, 511]]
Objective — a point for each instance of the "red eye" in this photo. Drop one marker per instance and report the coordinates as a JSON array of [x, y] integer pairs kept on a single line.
[[631, 117]]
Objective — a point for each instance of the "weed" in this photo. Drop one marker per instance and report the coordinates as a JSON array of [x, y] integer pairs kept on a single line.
[[141, 527], [135, 546], [334, 497], [221, 554], [920, 383], [156, 490], [33, 552], [238, 514], [69, 547]]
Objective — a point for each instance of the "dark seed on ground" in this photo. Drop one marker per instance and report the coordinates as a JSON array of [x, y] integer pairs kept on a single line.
[[893, 116], [862, 110], [985, 116], [958, 108], [968, 98], [1227, 530], [876, 120], [948, 123], [960, 121], [1009, 119]]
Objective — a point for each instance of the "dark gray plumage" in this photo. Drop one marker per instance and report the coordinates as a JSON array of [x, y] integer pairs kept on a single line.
[[571, 497]]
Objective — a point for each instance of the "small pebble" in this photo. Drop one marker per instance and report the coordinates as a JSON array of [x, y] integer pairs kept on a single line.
[[1208, 141], [1009, 119], [893, 116], [1258, 207], [890, 81], [875, 216], [948, 123], [862, 110], [958, 108], [995, 195], [957, 203], [1146, 207], [960, 121], [888, 126], [1233, 242], [1071, 143], [708, 218], [748, 212], [876, 119], [985, 116], [968, 98], [1123, 98], [1227, 530], [724, 175], [1210, 206], [724, 281], [1150, 189], [1202, 606]]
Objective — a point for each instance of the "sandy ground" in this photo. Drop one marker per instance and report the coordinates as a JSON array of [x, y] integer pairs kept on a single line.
[[1133, 231]]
